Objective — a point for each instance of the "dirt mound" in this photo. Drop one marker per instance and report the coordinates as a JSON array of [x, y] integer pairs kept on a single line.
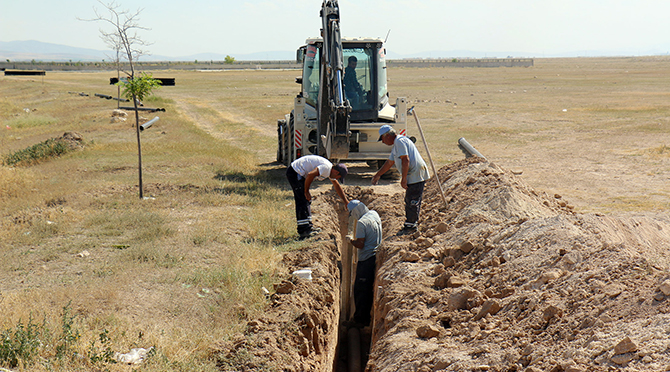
[[506, 279], [501, 278], [73, 140]]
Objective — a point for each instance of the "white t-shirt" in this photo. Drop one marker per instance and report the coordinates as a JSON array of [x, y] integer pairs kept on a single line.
[[308, 163]]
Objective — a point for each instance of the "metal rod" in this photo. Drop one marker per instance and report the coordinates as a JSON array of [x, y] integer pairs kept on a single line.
[[338, 82], [142, 109], [430, 158]]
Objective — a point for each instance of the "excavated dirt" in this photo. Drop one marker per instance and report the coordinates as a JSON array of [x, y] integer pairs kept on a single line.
[[501, 278], [298, 331], [506, 279]]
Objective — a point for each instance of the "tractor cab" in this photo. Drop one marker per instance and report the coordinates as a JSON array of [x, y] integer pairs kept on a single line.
[[364, 79], [317, 125]]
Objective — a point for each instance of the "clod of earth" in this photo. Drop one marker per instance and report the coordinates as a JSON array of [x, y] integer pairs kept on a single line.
[[625, 346], [427, 331], [665, 288]]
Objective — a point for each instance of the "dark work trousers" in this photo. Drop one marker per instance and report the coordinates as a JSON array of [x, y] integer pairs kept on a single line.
[[364, 290], [303, 211], [413, 203]]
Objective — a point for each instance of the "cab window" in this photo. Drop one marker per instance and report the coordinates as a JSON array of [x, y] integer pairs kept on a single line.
[[310, 74], [357, 78]]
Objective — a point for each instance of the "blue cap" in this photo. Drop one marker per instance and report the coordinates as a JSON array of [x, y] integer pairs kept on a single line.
[[383, 130], [353, 204]]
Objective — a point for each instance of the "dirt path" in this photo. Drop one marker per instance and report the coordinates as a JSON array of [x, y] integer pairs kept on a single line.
[[207, 114]]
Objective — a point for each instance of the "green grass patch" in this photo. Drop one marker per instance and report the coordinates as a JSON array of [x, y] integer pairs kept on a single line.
[[20, 344], [48, 149], [30, 121]]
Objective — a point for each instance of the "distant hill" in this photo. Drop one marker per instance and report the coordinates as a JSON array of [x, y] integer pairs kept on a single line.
[[31, 49], [39, 51], [36, 50]]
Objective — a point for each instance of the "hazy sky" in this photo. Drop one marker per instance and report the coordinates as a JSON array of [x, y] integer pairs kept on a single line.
[[533, 27]]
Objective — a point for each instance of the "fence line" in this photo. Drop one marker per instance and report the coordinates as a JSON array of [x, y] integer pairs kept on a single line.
[[259, 65]]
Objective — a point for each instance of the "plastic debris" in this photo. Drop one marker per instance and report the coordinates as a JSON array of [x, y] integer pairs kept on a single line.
[[304, 274], [135, 356]]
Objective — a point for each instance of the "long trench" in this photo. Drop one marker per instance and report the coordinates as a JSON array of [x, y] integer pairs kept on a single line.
[[353, 345]]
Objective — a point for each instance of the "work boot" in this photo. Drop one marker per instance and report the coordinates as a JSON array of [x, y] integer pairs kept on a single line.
[[308, 234], [407, 230]]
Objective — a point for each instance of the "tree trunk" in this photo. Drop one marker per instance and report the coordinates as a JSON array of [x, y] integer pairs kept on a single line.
[[139, 145]]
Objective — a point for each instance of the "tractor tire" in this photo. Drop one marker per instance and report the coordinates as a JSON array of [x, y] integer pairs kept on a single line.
[[281, 130], [290, 138]]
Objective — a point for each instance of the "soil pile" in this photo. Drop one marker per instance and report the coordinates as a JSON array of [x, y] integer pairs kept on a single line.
[[505, 279], [501, 278], [73, 140]]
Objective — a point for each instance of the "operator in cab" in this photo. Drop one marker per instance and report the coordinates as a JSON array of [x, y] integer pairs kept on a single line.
[[352, 88]]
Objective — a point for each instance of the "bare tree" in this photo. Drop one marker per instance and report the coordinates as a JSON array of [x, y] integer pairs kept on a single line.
[[123, 38], [127, 44], [115, 45]]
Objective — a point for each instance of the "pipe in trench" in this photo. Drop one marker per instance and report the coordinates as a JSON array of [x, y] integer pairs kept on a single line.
[[350, 337], [354, 358]]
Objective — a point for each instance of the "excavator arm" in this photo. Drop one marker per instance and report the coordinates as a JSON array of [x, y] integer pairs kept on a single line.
[[333, 108]]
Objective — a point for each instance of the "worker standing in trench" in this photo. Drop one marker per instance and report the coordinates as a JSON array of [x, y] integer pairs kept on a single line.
[[367, 239], [300, 174], [413, 170]]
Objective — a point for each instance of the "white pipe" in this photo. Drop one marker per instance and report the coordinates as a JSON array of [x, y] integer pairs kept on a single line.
[[148, 124]]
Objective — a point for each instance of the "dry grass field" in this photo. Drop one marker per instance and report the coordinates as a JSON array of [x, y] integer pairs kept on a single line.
[[88, 269], [82, 256], [593, 130]]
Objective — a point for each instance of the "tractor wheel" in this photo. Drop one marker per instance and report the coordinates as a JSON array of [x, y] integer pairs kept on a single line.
[[290, 138], [281, 130]]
